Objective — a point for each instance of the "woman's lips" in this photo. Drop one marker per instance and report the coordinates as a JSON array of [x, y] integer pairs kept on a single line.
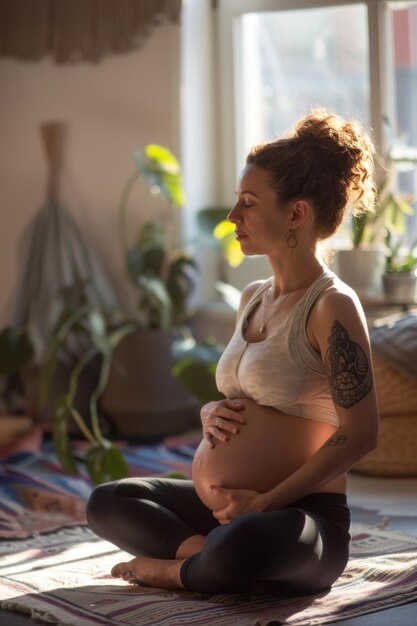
[[240, 236]]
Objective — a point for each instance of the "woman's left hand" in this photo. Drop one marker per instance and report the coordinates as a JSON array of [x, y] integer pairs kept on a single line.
[[238, 502]]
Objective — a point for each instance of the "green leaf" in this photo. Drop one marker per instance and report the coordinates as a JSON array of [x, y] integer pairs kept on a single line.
[[154, 261], [405, 207], [198, 378], [106, 463], [16, 350], [152, 235], [97, 325], [180, 284], [155, 301], [161, 170], [179, 475], [62, 445], [398, 258], [134, 263], [151, 244], [155, 288], [195, 367], [163, 158], [391, 208], [117, 335], [225, 233], [359, 223]]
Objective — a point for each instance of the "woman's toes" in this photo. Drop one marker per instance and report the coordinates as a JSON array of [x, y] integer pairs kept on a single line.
[[117, 570]]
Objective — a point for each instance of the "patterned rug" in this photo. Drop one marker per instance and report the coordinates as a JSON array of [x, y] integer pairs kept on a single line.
[[63, 577], [37, 496]]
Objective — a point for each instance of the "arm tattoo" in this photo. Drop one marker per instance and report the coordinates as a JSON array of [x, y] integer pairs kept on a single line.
[[335, 441], [347, 367]]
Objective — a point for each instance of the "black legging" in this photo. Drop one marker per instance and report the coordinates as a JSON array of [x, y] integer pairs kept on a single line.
[[300, 549]]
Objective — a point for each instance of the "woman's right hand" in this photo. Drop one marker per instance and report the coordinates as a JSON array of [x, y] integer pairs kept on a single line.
[[220, 419]]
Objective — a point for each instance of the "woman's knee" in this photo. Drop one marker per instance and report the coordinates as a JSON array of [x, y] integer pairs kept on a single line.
[[100, 502]]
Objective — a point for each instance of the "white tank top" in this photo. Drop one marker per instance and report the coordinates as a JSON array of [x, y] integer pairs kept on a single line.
[[282, 371]]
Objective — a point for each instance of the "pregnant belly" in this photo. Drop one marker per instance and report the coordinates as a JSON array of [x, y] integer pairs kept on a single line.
[[268, 449]]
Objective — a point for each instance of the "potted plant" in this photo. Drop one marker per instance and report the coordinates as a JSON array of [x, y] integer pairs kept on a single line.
[[362, 265], [83, 339], [142, 398], [133, 386], [400, 277]]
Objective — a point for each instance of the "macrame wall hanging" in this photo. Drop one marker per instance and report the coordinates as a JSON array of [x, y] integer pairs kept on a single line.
[[71, 31]]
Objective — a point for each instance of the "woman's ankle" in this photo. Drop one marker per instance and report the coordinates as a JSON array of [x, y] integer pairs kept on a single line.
[[191, 545]]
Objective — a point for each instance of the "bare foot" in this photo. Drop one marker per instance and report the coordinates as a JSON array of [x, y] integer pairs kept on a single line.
[[163, 573]]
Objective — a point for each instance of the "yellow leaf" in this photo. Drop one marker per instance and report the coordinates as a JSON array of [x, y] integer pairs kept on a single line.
[[224, 232], [223, 229]]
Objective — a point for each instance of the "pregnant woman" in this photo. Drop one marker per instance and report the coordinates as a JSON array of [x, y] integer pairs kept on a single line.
[[266, 510]]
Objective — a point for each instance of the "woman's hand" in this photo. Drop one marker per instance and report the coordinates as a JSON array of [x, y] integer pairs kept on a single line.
[[220, 419], [238, 502]]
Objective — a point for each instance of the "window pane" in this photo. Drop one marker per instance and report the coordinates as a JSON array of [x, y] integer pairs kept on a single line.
[[290, 61], [402, 132]]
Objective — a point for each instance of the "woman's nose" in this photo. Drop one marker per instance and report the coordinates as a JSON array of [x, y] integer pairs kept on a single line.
[[234, 214]]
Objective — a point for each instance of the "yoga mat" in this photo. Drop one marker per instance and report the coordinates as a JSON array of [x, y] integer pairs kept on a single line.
[[63, 577]]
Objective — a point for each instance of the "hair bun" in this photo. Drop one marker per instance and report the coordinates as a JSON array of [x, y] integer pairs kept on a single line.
[[346, 148], [325, 159]]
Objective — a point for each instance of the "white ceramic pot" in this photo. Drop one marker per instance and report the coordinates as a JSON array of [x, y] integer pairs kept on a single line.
[[400, 287], [361, 269]]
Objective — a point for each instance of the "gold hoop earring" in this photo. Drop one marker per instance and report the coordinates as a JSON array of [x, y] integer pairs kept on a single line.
[[291, 240]]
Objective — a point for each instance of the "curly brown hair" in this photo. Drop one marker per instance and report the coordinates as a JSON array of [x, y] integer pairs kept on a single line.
[[325, 159]]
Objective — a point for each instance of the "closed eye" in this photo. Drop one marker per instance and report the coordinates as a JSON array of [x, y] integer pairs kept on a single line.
[[245, 201]]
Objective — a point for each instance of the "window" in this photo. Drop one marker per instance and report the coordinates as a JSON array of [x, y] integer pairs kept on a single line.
[[280, 57], [291, 60]]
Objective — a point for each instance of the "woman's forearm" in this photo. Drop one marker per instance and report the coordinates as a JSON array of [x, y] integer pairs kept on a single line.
[[338, 454]]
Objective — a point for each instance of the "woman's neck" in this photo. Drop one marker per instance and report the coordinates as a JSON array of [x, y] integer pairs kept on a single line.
[[295, 273]]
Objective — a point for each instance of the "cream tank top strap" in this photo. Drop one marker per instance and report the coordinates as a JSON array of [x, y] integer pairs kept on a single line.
[[253, 301], [307, 353]]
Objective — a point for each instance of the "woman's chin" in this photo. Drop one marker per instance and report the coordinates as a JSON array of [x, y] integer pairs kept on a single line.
[[247, 247]]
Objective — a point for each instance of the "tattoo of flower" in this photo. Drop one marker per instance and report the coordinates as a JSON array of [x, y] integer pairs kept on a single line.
[[347, 368]]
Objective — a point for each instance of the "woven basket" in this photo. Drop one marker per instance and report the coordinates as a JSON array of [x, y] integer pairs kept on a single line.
[[396, 453], [397, 393]]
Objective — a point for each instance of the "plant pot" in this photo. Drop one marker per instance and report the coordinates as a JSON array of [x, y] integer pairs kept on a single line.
[[142, 399], [361, 269], [400, 287]]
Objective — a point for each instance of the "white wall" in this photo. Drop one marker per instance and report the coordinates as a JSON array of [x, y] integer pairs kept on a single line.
[[112, 108]]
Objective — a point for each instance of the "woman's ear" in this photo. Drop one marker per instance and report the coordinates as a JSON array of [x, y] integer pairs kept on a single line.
[[301, 210]]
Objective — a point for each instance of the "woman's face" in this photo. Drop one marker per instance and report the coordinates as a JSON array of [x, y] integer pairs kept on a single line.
[[261, 224]]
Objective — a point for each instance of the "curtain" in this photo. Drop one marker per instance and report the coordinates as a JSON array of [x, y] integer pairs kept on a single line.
[[72, 31]]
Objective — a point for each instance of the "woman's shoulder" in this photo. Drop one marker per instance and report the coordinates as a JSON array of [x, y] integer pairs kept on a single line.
[[335, 299], [337, 307], [338, 292]]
